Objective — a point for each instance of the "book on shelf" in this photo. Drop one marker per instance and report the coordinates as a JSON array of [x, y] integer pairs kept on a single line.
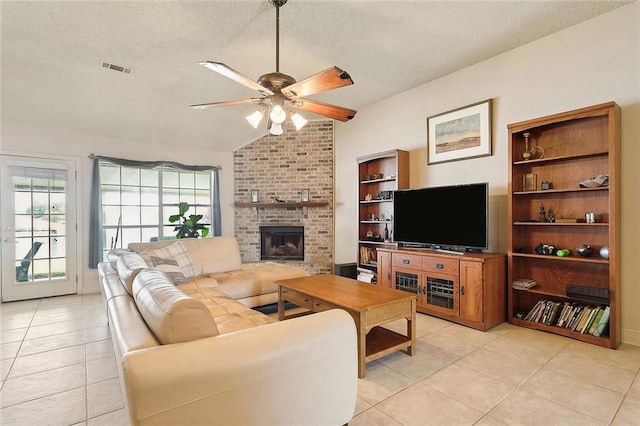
[[567, 309], [555, 313], [589, 322], [596, 320], [578, 317], [585, 319], [534, 311], [603, 323]]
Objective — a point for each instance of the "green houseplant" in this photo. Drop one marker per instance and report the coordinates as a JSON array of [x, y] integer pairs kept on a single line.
[[188, 227]]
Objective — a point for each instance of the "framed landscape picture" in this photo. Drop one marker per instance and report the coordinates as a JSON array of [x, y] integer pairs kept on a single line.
[[459, 134]]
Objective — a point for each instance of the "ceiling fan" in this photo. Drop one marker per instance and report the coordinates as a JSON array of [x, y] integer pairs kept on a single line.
[[280, 91]]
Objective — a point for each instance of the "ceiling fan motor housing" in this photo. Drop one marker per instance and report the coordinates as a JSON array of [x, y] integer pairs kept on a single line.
[[275, 81]]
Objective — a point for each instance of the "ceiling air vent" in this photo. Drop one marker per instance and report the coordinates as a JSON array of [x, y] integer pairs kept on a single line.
[[118, 68]]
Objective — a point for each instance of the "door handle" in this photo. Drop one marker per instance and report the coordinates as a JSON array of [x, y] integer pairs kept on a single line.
[[462, 290]]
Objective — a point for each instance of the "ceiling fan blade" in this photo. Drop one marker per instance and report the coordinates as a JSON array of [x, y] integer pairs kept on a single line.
[[257, 101], [328, 79], [331, 111], [234, 75]]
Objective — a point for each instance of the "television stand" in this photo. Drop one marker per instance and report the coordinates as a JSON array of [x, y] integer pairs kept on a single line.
[[468, 290]]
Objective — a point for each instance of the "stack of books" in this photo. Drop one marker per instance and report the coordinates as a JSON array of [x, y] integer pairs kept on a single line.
[[586, 319], [366, 275]]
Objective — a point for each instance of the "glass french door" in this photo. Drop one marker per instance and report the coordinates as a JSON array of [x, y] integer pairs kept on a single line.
[[38, 219]]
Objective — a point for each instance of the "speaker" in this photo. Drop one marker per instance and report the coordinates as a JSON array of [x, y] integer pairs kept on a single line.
[[345, 270]]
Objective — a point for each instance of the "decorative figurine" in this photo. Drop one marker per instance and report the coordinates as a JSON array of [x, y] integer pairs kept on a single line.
[[551, 218], [526, 154], [542, 216]]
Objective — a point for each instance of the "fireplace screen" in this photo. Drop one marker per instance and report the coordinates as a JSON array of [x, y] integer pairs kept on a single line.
[[281, 243]]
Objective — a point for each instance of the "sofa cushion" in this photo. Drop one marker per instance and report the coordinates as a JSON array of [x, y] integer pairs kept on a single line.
[[175, 251], [229, 314], [171, 268], [218, 254], [171, 315], [209, 255], [128, 266]]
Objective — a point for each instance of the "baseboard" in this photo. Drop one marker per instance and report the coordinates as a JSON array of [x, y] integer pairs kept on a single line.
[[631, 337]]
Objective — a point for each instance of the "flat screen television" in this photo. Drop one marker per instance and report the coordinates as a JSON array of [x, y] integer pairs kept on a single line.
[[449, 218]]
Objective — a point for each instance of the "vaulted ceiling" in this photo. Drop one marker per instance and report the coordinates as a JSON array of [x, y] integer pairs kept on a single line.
[[53, 51]]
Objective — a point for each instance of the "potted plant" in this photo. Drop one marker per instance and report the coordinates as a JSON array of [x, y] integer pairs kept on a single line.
[[188, 227]]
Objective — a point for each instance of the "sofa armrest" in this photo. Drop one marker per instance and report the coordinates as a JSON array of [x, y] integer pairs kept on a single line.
[[299, 371]]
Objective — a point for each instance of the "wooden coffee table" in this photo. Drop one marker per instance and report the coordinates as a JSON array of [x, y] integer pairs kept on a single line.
[[369, 305]]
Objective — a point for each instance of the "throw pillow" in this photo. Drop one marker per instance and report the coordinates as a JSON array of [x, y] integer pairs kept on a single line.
[[176, 251], [171, 268]]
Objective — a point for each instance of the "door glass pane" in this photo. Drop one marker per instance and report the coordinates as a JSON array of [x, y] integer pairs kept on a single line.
[[37, 231], [58, 268], [57, 246], [57, 200]]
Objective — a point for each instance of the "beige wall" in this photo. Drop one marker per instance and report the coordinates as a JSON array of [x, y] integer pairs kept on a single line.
[[47, 142], [591, 63]]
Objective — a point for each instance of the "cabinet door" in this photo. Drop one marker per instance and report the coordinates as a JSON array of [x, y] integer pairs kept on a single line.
[[384, 269], [407, 279], [471, 299], [440, 293]]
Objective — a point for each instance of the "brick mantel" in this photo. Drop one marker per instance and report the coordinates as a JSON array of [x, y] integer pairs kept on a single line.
[[280, 167]]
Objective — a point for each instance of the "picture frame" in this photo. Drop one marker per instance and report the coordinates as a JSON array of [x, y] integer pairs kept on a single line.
[[459, 134], [304, 195]]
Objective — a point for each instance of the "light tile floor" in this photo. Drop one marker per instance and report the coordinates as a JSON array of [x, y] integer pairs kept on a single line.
[[57, 366]]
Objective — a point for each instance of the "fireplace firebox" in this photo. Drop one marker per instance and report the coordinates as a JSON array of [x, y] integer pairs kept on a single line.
[[282, 243]]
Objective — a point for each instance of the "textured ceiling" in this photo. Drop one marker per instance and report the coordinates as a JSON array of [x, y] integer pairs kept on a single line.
[[52, 53]]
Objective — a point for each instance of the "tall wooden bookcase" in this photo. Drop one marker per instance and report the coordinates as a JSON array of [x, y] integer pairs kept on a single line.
[[378, 176], [576, 145]]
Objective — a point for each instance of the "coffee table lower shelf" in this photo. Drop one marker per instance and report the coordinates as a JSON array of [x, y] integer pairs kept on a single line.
[[382, 341]]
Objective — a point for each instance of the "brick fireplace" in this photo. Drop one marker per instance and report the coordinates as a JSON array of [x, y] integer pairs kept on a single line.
[[280, 167]]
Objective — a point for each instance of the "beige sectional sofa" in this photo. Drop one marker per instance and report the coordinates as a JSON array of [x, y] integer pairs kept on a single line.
[[192, 351]]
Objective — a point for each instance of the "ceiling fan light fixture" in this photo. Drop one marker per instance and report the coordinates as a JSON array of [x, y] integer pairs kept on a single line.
[[298, 121], [276, 129], [277, 114], [255, 119]]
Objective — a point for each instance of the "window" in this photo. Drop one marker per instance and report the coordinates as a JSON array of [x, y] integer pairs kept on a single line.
[[137, 202]]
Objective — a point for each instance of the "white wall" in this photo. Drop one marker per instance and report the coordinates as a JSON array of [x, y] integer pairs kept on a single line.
[[40, 141], [594, 62]]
